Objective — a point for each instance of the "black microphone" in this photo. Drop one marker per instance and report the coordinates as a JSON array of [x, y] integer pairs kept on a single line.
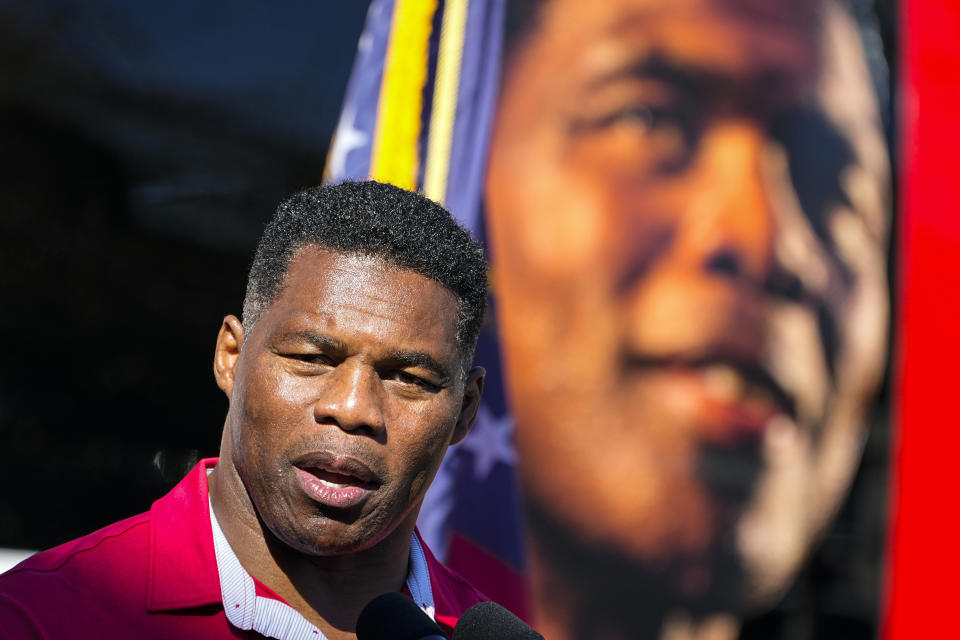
[[394, 616], [490, 621]]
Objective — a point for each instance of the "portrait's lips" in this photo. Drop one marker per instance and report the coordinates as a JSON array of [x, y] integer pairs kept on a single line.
[[735, 401], [739, 392], [333, 479]]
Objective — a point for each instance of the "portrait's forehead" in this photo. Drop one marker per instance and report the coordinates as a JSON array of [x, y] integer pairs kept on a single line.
[[796, 12], [721, 31], [741, 40]]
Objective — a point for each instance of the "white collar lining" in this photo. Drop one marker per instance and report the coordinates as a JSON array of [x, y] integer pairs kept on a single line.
[[276, 619]]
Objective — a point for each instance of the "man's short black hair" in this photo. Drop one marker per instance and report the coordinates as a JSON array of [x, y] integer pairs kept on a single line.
[[376, 220]]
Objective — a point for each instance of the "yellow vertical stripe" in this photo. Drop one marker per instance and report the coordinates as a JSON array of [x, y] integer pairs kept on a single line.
[[401, 94], [445, 100]]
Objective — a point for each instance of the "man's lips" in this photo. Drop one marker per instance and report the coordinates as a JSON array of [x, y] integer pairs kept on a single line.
[[333, 479]]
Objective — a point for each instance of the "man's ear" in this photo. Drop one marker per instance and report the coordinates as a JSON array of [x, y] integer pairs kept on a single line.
[[472, 390], [227, 353]]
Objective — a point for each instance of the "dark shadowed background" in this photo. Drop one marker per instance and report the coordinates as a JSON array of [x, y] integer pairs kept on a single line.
[[144, 147]]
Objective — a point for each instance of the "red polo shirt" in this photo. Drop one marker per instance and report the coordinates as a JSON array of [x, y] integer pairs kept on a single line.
[[153, 576]]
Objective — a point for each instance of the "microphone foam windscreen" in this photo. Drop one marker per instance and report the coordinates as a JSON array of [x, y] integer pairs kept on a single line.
[[394, 616], [490, 621]]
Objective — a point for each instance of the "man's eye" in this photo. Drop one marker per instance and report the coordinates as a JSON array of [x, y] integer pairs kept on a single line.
[[416, 381], [311, 358]]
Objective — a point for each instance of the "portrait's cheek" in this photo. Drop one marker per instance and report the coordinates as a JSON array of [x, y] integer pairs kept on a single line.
[[548, 235], [620, 466], [865, 311]]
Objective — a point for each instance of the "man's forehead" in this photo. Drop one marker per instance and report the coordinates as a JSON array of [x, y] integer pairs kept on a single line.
[[317, 261], [350, 296], [325, 267]]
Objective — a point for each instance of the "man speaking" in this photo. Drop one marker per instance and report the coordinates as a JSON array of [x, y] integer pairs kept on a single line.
[[347, 380]]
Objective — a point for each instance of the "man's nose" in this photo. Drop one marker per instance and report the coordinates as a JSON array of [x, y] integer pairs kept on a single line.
[[351, 398], [728, 226]]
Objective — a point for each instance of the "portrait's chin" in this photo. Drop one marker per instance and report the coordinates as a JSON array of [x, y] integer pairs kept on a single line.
[[653, 550], [700, 584], [715, 529]]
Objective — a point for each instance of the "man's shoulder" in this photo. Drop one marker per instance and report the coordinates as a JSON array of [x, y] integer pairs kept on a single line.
[[82, 578], [119, 547], [129, 579], [459, 587]]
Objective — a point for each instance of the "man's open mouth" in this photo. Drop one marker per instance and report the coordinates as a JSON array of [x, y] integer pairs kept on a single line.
[[335, 480]]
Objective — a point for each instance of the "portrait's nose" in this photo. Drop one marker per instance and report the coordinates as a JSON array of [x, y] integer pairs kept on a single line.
[[350, 398], [728, 227], [706, 285]]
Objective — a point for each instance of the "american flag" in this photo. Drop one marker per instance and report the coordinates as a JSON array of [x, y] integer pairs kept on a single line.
[[417, 113]]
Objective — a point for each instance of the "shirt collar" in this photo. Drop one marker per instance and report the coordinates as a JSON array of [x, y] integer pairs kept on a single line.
[[190, 567], [183, 564], [275, 618]]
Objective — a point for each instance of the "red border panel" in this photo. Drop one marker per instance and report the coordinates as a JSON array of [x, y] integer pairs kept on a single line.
[[924, 560]]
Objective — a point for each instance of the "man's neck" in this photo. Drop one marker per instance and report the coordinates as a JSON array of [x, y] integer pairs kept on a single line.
[[329, 591]]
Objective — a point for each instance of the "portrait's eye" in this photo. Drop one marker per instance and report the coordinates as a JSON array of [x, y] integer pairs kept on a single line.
[[646, 117], [643, 117], [640, 134]]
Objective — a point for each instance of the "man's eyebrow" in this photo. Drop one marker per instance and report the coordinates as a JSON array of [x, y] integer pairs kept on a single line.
[[418, 359], [316, 339], [397, 357]]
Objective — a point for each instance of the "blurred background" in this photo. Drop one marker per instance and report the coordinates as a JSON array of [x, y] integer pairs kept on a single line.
[[144, 147]]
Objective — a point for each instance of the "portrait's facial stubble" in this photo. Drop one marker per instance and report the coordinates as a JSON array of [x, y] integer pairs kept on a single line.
[[685, 337]]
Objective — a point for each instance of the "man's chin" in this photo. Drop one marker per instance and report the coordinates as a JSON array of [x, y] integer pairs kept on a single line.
[[322, 538]]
